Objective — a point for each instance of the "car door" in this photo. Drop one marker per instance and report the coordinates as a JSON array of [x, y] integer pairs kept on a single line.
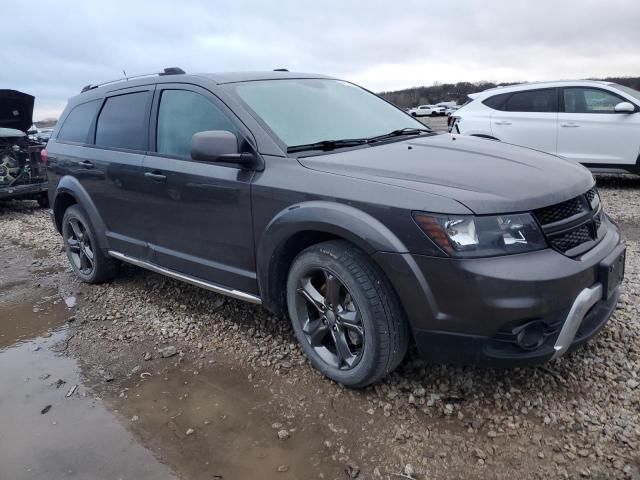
[[200, 211], [593, 133], [528, 118], [102, 143]]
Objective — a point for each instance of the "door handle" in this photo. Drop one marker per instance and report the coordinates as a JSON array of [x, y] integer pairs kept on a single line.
[[502, 122], [86, 164], [155, 176], [569, 125]]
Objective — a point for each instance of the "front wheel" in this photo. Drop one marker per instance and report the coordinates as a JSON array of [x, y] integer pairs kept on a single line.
[[345, 314]]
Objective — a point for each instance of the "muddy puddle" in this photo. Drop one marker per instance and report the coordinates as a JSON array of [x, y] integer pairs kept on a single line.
[[215, 424], [58, 422]]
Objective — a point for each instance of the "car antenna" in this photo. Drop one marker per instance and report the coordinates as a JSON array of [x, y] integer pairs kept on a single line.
[[124, 72]]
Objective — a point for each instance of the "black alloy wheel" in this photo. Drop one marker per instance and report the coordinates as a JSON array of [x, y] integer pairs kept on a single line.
[[330, 319], [79, 244], [88, 261], [345, 314]]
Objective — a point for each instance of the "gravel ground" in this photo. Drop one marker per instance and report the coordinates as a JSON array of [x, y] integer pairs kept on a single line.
[[576, 417]]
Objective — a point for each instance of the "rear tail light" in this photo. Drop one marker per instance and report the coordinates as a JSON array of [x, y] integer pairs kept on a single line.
[[44, 156]]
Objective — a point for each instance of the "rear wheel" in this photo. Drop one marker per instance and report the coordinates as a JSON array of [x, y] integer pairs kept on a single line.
[[89, 263], [345, 314]]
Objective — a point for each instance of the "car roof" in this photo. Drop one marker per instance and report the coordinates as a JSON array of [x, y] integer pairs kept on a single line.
[[91, 91], [548, 84]]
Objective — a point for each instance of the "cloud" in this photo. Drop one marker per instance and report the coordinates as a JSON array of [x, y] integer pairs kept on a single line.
[[52, 48]]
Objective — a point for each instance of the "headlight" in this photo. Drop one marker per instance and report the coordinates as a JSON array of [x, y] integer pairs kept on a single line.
[[485, 236]]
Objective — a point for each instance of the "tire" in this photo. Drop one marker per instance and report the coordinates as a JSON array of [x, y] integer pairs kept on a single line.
[[87, 260], [43, 201], [364, 316], [414, 114]]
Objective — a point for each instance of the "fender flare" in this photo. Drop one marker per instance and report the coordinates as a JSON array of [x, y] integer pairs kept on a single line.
[[340, 220], [71, 186]]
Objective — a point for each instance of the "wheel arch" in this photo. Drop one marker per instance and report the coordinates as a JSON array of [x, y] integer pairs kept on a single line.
[[308, 223], [71, 192]]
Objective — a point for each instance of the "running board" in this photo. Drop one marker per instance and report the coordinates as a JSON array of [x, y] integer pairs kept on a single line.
[[247, 297]]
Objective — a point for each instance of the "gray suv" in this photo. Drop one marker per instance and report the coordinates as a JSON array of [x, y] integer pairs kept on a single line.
[[312, 196]]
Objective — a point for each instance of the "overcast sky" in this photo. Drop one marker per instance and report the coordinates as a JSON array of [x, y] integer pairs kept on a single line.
[[52, 48]]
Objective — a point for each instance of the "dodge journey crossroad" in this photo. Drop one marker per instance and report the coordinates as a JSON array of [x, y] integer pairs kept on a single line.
[[318, 199]]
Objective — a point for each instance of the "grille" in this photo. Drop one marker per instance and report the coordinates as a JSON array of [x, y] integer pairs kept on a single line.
[[572, 223], [572, 239], [560, 211]]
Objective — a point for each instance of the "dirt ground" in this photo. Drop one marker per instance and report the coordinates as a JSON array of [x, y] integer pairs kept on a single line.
[[146, 377]]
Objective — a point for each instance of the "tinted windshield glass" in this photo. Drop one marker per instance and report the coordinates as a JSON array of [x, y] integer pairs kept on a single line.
[[302, 111], [628, 90]]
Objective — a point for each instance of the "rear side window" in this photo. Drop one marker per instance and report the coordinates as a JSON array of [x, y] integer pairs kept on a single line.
[[123, 122], [183, 113], [589, 100], [78, 123], [533, 101], [497, 101]]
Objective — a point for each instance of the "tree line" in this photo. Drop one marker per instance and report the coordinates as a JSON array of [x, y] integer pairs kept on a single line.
[[458, 92]]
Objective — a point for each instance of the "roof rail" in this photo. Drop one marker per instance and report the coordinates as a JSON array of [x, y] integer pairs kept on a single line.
[[166, 71]]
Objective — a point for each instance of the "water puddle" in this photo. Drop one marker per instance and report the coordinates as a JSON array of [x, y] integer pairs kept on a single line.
[[209, 425], [25, 315], [216, 425], [52, 427], [50, 424]]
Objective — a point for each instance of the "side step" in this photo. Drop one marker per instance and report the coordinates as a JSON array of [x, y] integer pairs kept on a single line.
[[247, 297]]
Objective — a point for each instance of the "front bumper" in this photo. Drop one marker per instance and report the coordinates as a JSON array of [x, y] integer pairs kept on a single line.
[[473, 311]]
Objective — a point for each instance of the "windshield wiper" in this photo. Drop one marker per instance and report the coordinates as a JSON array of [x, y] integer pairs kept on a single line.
[[328, 145], [401, 132], [352, 142]]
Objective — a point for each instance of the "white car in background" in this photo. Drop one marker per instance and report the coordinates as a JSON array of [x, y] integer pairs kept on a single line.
[[450, 110], [427, 110], [594, 123]]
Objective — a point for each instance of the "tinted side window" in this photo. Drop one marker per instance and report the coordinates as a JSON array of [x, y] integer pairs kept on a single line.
[[533, 101], [497, 101], [76, 126], [589, 100], [123, 122], [183, 113]]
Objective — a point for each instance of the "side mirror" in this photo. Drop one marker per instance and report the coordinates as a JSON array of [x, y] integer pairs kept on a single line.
[[219, 146], [625, 107]]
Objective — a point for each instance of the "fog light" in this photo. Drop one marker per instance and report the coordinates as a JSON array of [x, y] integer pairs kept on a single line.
[[531, 335]]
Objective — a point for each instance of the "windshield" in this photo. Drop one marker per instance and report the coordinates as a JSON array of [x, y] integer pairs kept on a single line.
[[628, 90], [305, 111]]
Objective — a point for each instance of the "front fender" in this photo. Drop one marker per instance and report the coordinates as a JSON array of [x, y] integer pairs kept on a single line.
[[69, 185], [351, 224], [335, 219], [338, 219]]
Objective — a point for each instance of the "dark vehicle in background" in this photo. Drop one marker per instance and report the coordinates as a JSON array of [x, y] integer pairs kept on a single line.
[[315, 197], [22, 173]]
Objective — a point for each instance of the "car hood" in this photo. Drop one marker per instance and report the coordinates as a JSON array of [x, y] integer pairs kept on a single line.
[[16, 110], [485, 175]]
